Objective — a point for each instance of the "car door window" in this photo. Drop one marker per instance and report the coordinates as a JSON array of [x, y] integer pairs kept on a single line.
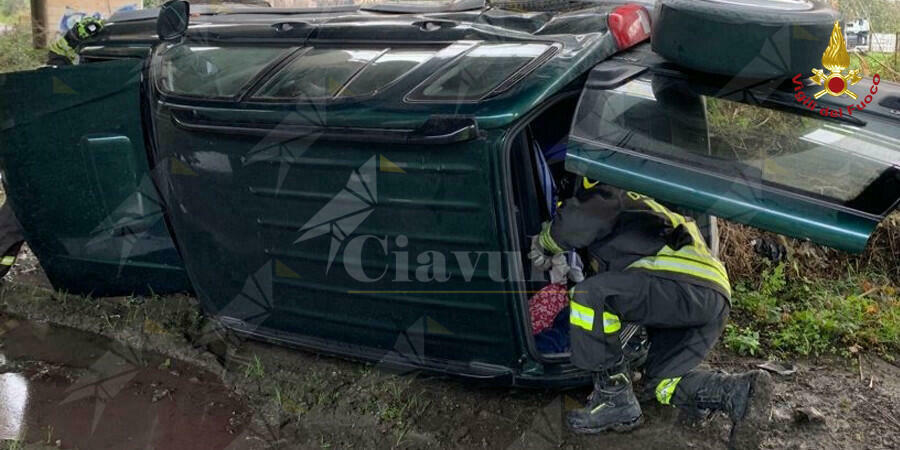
[[833, 161], [211, 71], [383, 71], [478, 72], [755, 159], [317, 73]]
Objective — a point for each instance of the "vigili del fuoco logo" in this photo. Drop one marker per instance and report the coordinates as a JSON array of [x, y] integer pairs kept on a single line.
[[835, 83]]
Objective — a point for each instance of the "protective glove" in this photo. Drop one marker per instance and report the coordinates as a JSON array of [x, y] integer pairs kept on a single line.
[[566, 266], [576, 270], [540, 258], [559, 270]]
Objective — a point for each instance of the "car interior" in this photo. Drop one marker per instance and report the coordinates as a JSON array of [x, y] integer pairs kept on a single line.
[[539, 182]]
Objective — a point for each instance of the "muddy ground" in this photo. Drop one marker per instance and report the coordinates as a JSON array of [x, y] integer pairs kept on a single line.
[[188, 384]]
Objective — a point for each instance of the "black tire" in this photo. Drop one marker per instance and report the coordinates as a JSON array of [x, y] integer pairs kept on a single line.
[[744, 38]]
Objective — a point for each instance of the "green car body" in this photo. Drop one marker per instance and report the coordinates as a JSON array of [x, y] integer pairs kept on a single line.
[[374, 217]]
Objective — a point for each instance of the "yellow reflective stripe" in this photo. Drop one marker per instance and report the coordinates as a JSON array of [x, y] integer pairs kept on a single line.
[[676, 219], [635, 196], [582, 316], [690, 253], [699, 242], [694, 259], [611, 323], [683, 266], [547, 242], [665, 389], [8, 260], [587, 184]]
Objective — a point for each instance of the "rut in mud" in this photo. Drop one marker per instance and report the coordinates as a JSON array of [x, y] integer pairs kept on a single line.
[[283, 398]]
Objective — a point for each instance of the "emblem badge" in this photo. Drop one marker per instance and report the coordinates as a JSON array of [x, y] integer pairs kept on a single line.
[[836, 60]]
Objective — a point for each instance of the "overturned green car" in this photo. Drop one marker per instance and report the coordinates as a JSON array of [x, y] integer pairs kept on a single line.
[[361, 180]]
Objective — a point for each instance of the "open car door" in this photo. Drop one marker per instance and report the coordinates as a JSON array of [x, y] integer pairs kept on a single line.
[[75, 170], [749, 153]]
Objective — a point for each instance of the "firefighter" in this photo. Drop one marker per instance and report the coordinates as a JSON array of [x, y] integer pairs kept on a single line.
[[654, 269], [64, 50]]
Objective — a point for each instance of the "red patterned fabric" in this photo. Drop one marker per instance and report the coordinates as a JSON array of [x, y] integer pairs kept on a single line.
[[545, 305]]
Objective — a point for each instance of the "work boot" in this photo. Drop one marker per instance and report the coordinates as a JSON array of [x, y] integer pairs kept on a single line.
[[746, 399], [611, 406]]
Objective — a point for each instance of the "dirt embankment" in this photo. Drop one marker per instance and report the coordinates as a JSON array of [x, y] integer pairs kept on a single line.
[[295, 399], [812, 261]]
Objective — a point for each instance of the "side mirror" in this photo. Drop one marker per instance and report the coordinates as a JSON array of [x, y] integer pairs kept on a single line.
[[172, 22]]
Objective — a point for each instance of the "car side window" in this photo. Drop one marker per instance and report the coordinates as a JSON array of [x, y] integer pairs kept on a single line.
[[318, 73], [478, 72], [211, 71]]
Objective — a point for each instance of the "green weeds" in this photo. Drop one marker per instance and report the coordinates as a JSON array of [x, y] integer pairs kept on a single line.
[[742, 341], [16, 51], [815, 317], [884, 64], [255, 369], [11, 444]]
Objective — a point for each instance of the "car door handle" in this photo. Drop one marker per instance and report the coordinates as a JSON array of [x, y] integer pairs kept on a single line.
[[286, 27], [434, 24]]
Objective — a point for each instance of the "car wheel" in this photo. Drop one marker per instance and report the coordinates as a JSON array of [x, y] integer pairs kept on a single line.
[[746, 38]]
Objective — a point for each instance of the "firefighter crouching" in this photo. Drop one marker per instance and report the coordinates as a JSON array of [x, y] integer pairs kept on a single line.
[[654, 270]]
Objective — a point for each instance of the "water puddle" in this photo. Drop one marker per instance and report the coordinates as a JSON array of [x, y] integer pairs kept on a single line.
[[66, 388]]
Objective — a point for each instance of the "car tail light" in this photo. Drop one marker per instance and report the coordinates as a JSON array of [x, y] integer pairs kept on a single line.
[[629, 25]]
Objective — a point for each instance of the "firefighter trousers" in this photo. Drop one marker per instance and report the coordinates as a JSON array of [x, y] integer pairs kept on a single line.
[[683, 322]]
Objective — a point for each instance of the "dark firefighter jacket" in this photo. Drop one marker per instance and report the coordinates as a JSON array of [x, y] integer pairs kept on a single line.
[[629, 231]]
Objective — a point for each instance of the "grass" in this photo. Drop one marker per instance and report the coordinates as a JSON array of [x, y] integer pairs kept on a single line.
[[884, 64], [16, 52], [255, 369], [742, 341], [789, 314]]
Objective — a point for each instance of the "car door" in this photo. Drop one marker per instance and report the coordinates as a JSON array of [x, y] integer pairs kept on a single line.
[[75, 170], [749, 152]]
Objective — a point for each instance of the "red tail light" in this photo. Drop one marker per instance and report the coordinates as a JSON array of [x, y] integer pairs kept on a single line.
[[629, 25]]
